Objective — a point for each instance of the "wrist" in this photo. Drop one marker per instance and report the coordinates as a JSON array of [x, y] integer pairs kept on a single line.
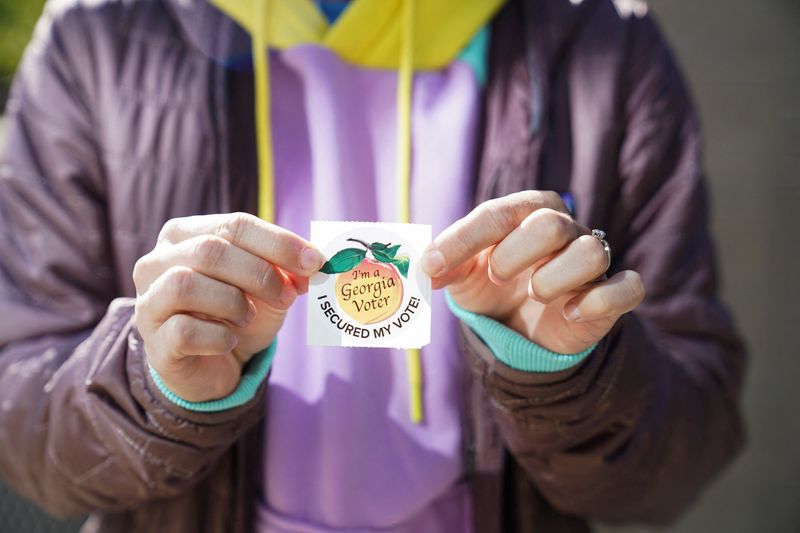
[[514, 349], [253, 375], [544, 325]]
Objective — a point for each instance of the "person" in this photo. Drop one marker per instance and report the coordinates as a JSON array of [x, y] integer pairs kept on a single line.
[[154, 371]]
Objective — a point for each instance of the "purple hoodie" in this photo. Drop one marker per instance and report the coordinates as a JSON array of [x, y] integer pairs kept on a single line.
[[341, 452]]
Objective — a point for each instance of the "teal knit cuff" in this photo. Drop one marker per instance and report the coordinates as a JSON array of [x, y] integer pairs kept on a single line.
[[512, 348], [253, 375]]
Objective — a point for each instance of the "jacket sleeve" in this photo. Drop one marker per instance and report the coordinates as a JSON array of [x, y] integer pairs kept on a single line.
[[82, 425], [635, 431]]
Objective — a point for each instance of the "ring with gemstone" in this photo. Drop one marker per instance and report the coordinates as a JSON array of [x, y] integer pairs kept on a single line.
[[600, 235]]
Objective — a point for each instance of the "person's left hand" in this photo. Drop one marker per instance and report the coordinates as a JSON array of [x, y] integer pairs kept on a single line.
[[525, 262]]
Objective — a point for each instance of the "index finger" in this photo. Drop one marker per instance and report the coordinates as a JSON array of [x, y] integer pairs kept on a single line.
[[484, 226], [272, 243]]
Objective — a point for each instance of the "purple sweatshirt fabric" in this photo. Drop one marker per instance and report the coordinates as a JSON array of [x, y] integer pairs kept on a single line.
[[341, 452]]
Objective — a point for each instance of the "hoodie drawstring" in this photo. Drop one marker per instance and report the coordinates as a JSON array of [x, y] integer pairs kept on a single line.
[[266, 186], [404, 84], [266, 182]]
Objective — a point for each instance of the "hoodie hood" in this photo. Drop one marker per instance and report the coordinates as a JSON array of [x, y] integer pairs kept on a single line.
[[369, 33], [212, 32]]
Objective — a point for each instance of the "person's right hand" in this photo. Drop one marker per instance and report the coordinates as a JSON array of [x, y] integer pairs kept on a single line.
[[214, 292]]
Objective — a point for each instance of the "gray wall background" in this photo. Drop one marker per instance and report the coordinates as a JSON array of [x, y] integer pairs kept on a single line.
[[742, 60]]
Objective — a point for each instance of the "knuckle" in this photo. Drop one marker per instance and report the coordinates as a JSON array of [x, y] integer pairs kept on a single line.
[[139, 270], [553, 199], [273, 238], [264, 274], [235, 227], [180, 281], [528, 200], [595, 255], [210, 250], [236, 302], [533, 200], [169, 229], [553, 226], [498, 213], [462, 241], [482, 210], [216, 333], [183, 333]]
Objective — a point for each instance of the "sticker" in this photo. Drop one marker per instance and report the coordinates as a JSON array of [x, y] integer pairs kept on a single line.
[[371, 291]]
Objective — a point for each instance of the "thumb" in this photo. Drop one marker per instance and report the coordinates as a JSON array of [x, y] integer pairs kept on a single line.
[[453, 279]]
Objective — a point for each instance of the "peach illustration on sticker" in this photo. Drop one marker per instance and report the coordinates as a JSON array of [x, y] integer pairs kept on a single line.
[[370, 291]]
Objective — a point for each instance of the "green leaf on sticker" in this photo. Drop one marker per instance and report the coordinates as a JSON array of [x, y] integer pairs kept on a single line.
[[381, 256], [384, 252], [402, 262], [343, 261]]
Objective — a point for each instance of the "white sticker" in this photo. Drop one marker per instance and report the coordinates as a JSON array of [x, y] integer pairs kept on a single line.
[[371, 291]]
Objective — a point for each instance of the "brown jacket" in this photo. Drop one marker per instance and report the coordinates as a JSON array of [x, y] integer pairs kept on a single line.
[[119, 120]]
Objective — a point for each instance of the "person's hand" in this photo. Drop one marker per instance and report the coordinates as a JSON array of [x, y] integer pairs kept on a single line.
[[525, 262], [212, 293]]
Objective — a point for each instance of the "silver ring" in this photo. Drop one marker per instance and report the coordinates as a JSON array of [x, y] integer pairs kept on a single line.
[[600, 235]]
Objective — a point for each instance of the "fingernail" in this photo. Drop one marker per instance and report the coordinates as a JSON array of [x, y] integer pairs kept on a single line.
[[233, 343], [287, 295], [251, 314], [311, 259], [572, 313], [493, 277], [433, 262]]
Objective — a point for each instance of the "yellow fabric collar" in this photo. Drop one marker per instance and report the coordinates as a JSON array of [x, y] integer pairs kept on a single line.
[[369, 32]]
